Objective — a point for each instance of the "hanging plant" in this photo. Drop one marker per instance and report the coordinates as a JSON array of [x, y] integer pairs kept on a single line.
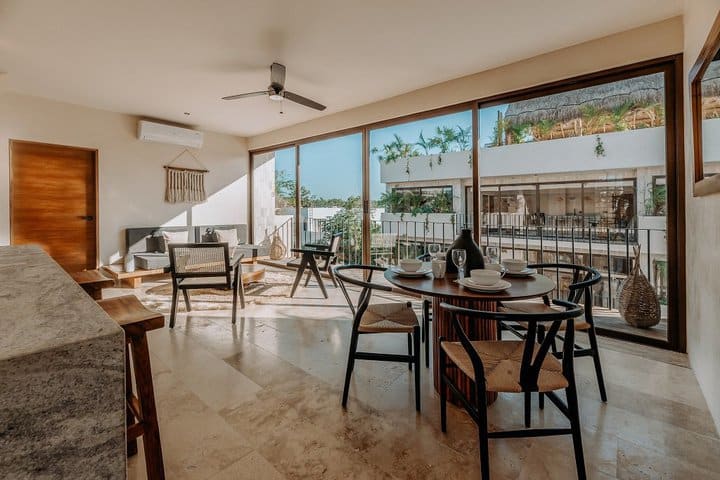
[[439, 159], [599, 147]]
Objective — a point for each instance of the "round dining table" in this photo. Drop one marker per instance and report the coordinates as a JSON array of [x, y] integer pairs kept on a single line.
[[447, 290]]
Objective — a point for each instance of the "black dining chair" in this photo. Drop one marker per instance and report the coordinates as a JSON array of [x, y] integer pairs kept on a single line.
[[196, 266], [580, 291], [394, 317], [512, 366]]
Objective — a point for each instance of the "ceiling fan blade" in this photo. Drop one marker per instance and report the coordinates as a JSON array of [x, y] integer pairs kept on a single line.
[[277, 75], [245, 95], [294, 97]]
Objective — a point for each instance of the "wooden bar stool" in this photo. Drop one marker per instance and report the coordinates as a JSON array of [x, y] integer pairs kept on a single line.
[[136, 320]]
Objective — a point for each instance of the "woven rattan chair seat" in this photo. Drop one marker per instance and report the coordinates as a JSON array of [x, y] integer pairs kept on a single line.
[[219, 281], [538, 307], [388, 317], [502, 361]]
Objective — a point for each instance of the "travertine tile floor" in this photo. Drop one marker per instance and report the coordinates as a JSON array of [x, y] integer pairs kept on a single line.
[[261, 400]]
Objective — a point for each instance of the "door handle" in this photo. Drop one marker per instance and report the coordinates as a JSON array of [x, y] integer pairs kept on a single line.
[[89, 218]]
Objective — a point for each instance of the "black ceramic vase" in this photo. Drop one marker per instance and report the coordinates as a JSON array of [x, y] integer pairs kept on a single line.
[[474, 255]]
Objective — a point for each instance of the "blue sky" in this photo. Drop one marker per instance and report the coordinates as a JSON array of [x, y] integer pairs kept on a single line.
[[333, 168]]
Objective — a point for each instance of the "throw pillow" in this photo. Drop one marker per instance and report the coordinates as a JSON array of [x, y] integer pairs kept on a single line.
[[230, 237], [227, 236], [174, 237]]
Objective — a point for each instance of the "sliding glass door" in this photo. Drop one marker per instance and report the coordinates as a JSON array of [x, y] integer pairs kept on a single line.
[[578, 176], [580, 171], [420, 172], [331, 192]]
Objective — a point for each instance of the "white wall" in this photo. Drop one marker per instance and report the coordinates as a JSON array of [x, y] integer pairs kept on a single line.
[[703, 234], [130, 172], [453, 165], [629, 149], [264, 218]]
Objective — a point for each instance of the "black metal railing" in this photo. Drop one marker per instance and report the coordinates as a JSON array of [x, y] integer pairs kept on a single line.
[[609, 249]]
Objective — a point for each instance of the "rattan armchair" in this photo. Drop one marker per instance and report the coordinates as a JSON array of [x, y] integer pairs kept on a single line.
[[196, 266]]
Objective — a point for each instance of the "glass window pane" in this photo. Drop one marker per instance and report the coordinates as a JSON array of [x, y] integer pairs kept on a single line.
[[419, 177], [330, 190], [581, 178]]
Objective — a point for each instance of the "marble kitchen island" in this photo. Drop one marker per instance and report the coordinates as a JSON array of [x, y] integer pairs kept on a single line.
[[62, 375]]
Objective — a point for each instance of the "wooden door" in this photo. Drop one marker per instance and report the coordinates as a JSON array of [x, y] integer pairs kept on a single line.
[[53, 202]]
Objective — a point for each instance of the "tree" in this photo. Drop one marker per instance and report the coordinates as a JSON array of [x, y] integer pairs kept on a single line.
[[516, 133], [463, 138], [395, 150], [285, 193], [284, 189], [349, 222], [426, 145], [444, 138], [498, 133]]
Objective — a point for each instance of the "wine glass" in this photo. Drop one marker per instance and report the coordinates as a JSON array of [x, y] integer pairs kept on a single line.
[[459, 255], [493, 254], [434, 249]]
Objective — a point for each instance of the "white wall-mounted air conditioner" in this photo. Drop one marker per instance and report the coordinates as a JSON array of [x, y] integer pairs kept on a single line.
[[158, 132]]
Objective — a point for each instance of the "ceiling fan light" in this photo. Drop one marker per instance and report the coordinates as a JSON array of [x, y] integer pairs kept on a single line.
[[276, 97]]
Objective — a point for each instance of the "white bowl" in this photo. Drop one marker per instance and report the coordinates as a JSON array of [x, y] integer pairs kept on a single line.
[[514, 264], [410, 265], [485, 277]]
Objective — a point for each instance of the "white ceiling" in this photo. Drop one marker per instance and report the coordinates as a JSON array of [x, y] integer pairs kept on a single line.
[[160, 58]]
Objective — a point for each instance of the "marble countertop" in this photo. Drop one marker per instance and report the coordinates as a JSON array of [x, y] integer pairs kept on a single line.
[[41, 307]]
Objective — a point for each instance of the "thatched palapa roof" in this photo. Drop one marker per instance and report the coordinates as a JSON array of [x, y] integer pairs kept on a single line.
[[561, 107]]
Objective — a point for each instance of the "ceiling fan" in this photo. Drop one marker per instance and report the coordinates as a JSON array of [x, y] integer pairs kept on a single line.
[[276, 91]]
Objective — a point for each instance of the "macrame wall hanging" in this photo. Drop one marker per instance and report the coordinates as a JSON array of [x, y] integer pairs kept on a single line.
[[185, 185]]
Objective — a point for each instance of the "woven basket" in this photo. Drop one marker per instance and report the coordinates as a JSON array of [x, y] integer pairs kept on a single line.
[[277, 248], [639, 305]]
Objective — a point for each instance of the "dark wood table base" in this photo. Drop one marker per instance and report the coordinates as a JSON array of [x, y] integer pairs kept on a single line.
[[447, 290], [476, 330]]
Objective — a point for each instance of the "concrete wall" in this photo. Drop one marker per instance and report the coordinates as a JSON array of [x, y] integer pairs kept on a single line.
[[628, 149], [651, 41], [452, 166], [703, 233], [131, 180], [264, 218]]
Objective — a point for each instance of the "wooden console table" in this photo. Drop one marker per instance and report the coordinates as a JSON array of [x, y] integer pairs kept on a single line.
[[251, 273]]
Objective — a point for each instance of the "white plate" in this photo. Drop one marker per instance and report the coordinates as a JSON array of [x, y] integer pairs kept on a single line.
[[470, 285], [402, 273], [522, 273]]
